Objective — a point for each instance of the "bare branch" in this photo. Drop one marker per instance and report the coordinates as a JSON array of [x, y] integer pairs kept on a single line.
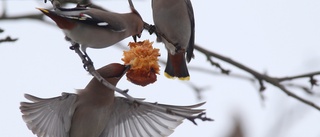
[[302, 87], [257, 75], [307, 75], [223, 71], [198, 90], [8, 39]]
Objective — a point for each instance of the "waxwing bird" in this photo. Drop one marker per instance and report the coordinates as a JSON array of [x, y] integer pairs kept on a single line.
[[95, 112], [174, 20], [96, 28]]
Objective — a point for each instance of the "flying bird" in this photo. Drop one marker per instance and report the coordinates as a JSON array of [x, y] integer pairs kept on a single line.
[[95, 112]]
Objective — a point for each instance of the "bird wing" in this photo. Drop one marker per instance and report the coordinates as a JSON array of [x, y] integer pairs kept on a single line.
[[149, 119], [49, 117], [191, 41], [94, 17]]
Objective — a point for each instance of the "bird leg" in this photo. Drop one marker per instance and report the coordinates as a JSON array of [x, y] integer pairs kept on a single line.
[[84, 56], [86, 60], [152, 29]]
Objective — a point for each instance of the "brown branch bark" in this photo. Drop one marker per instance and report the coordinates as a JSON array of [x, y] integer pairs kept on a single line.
[[8, 39], [260, 77], [307, 75]]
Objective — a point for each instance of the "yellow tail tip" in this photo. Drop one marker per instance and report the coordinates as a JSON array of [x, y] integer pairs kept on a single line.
[[43, 10], [180, 78], [168, 76], [184, 78]]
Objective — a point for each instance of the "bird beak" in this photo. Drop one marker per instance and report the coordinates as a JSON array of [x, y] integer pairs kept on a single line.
[[127, 67]]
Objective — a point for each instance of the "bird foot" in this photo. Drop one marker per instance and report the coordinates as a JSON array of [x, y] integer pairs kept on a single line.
[[87, 62], [152, 29]]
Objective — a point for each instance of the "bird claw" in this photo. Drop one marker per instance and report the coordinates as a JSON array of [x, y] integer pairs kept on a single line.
[[74, 45], [87, 62], [152, 29], [202, 116]]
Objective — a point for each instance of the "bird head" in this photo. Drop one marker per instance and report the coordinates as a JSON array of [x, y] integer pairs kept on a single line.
[[113, 72]]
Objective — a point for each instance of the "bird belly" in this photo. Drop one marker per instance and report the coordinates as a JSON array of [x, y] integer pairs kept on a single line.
[[175, 27]]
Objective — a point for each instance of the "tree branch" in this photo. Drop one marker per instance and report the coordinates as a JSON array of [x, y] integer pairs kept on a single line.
[[307, 75], [260, 77], [8, 39]]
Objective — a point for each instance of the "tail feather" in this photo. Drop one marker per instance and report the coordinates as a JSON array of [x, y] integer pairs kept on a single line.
[[177, 67]]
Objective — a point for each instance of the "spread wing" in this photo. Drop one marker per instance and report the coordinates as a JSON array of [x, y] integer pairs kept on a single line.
[[49, 117], [141, 120]]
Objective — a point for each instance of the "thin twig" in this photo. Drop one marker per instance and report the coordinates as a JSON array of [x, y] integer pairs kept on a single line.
[[257, 75], [8, 39], [223, 71], [27, 16], [197, 89], [302, 87], [307, 75]]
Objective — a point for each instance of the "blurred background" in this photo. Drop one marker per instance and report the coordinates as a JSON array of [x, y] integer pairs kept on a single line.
[[275, 37]]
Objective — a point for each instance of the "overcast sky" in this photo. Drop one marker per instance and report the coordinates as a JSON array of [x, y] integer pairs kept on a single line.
[[277, 37]]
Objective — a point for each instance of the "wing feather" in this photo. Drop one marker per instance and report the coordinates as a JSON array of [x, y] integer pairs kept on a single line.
[[49, 117], [150, 119]]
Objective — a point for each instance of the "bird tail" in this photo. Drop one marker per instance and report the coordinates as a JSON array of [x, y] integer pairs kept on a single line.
[[177, 66]]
